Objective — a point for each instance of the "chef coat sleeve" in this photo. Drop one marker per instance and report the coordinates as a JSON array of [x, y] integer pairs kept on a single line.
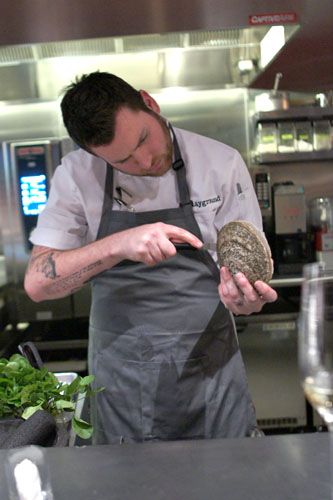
[[239, 198], [62, 224]]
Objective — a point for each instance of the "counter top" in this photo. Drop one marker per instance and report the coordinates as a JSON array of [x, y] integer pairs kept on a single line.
[[294, 466]]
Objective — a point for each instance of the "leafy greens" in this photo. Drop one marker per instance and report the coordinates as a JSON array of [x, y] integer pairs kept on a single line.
[[25, 389]]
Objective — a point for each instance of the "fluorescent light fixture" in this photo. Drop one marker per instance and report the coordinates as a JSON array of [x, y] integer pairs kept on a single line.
[[270, 45]]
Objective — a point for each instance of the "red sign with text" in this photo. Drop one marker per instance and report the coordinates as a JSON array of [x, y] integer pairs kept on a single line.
[[28, 150], [276, 18]]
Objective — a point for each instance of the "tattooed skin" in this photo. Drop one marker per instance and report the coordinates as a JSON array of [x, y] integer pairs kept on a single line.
[[48, 267], [45, 265], [70, 284]]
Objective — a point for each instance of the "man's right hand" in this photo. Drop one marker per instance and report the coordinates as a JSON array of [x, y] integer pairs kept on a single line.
[[151, 243]]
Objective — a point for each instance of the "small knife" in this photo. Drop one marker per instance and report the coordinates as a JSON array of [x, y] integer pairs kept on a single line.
[[187, 246]]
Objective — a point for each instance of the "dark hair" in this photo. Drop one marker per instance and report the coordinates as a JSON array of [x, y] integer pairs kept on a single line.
[[90, 105]]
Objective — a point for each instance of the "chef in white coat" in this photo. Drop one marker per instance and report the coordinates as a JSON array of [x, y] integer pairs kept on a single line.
[[162, 339]]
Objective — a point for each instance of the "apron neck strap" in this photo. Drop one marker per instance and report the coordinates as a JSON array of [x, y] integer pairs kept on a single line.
[[108, 191], [179, 167]]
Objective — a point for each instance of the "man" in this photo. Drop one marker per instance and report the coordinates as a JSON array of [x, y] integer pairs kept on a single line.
[[162, 339]]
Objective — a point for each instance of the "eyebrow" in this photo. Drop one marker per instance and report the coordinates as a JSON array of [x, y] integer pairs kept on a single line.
[[142, 137]]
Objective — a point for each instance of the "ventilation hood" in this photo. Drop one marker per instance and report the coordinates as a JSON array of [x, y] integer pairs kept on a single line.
[[233, 57], [196, 43]]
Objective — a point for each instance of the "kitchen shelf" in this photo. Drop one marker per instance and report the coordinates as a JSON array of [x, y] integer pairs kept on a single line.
[[295, 113], [261, 158], [299, 113]]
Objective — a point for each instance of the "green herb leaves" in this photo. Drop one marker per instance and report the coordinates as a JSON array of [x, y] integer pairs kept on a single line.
[[24, 390]]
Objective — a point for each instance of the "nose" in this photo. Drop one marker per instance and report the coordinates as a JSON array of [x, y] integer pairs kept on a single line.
[[143, 158]]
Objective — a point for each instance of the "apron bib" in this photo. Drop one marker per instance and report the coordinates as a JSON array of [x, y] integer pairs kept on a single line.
[[162, 343]]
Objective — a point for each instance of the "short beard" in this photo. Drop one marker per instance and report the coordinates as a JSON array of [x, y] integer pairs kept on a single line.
[[168, 155]]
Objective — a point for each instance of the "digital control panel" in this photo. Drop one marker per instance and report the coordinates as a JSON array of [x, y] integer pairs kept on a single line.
[[263, 189], [32, 168], [33, 193]]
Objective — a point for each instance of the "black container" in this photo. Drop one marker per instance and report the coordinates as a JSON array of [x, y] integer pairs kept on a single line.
[[40, 429]]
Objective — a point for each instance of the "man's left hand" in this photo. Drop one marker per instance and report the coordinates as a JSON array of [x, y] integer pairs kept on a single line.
[[244, 298]]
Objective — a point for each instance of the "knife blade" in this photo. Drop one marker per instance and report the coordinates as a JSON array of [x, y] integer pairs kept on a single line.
[[187, 246]]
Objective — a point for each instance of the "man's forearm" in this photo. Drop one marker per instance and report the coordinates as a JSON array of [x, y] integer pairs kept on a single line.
[[59, 284], [53, 274]]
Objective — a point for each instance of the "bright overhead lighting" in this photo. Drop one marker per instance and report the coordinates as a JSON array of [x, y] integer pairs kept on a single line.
[[174, 93], [270, 45]]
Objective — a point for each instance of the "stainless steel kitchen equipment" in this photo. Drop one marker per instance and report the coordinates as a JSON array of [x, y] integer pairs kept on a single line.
[[303, 136], [289, 209], [322, 135], [293, 245], [286, 137], [263, 190], [268, 343], [275, 99], [33, 143], [267, 137], [321, 222], [28, 168], [269, 349]]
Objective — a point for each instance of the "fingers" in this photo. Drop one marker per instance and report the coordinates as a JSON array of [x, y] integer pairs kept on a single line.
[[166, 235], [179, 235], [265, 291], [152, 249], [243, 298], [150, 243], [161, 246]]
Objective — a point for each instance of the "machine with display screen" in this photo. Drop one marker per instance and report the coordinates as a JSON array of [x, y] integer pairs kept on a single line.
[[28, 168], [32, 164]]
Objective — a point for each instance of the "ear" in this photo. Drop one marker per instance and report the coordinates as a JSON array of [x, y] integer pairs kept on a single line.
[[149, 101]]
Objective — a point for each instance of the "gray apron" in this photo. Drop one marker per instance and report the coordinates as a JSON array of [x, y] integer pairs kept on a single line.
[[162, 343]]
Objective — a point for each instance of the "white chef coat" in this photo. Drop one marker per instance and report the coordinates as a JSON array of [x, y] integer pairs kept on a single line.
[[220, 187]]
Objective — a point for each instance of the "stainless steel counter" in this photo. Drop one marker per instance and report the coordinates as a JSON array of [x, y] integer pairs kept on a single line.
[[284, 281], [294, 467]]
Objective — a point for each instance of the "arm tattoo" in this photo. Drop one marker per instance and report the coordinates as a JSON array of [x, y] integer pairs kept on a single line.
[[48, 267], [69, 284], [73, 282], [45, 265]]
